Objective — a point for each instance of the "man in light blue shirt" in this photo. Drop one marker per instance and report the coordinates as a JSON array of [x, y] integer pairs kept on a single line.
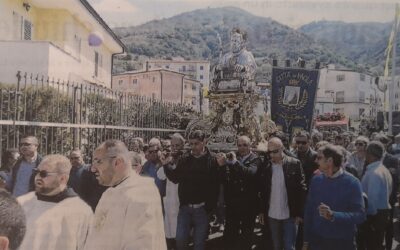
[[377, 184], [22, 178]]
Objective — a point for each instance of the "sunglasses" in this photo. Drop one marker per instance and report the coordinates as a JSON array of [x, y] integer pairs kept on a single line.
[[242, 145], [274, 151], [43, 173], [301, 142]]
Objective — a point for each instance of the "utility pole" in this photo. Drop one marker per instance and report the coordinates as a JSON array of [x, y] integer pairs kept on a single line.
[[391, 87]]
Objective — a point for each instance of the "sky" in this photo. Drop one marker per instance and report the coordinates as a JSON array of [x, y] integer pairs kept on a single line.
[[294, 13]]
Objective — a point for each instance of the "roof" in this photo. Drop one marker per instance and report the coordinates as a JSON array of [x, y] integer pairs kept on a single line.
[[84, 12], [138, 72], [176, 61], [103, 23]]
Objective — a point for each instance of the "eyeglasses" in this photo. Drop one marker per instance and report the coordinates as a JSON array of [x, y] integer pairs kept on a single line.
[[43, 173], [242, 145], [152, 151], [359, 144], [100, 161], [301, 142], [274, 151]]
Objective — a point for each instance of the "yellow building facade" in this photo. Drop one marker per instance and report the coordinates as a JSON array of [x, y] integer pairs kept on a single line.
[[51, 38]]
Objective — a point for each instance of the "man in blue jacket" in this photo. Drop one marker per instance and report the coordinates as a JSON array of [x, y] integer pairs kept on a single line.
[[334, 205]]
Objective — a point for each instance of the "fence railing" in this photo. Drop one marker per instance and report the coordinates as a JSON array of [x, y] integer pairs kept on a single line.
[[65, 115]]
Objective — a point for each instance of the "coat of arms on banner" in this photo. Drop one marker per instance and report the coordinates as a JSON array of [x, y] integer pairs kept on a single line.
[[293, 98]]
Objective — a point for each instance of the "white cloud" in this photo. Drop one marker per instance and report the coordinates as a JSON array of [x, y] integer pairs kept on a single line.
[[114, 6]]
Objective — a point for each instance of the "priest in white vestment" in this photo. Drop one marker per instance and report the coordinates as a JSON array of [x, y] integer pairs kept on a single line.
[[129, 214], [56, 217]]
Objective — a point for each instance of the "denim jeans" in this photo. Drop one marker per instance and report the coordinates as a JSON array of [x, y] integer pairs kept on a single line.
[[318, 243], [188, 217], [283, 233]]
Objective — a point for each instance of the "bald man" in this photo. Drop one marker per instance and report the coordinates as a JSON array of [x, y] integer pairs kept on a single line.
[[56, 217], [129, 214], [283, 195]]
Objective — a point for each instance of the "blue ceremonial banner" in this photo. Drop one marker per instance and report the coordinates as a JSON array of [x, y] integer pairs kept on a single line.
[[293, 98]]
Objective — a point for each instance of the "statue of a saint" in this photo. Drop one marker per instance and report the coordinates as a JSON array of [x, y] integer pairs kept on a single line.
[[237, 64]]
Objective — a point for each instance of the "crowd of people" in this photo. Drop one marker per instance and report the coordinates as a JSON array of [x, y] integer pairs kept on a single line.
[[312, 191]]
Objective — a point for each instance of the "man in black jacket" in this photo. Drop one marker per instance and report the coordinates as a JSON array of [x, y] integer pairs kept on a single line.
[[198, 178], [305, 154], [307, 157], [241, 195], [282, 195]]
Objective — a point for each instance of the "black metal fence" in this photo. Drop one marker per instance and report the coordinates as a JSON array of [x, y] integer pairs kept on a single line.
[[65, 115]]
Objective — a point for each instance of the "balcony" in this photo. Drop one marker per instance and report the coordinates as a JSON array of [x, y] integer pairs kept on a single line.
[[43, 58]]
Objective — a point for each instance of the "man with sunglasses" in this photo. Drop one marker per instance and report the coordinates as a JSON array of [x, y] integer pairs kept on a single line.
[[283, 192], [56, 217], [129, 214], [22, 177], [357, 158], [153, 163], [241, 195], [305, 154], [307, 158]]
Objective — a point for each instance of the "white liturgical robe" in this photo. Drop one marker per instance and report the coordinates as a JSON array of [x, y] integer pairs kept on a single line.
[[55, 225], [128, 217]]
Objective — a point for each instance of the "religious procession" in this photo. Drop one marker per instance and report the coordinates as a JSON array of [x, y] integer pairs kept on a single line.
[[232, 165]]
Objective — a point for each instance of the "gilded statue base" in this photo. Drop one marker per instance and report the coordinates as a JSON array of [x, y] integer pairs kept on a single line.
[[232, 115]]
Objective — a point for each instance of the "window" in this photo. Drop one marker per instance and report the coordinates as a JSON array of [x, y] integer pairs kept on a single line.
[[167, 66], [77, 46], [96, 63], [362, 77], [134, 81], [183, 68], [27, 30], [17, 26], [201, 77], [201, 67], [361, 97], [340, 97], [194, 87], [340, 78]]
